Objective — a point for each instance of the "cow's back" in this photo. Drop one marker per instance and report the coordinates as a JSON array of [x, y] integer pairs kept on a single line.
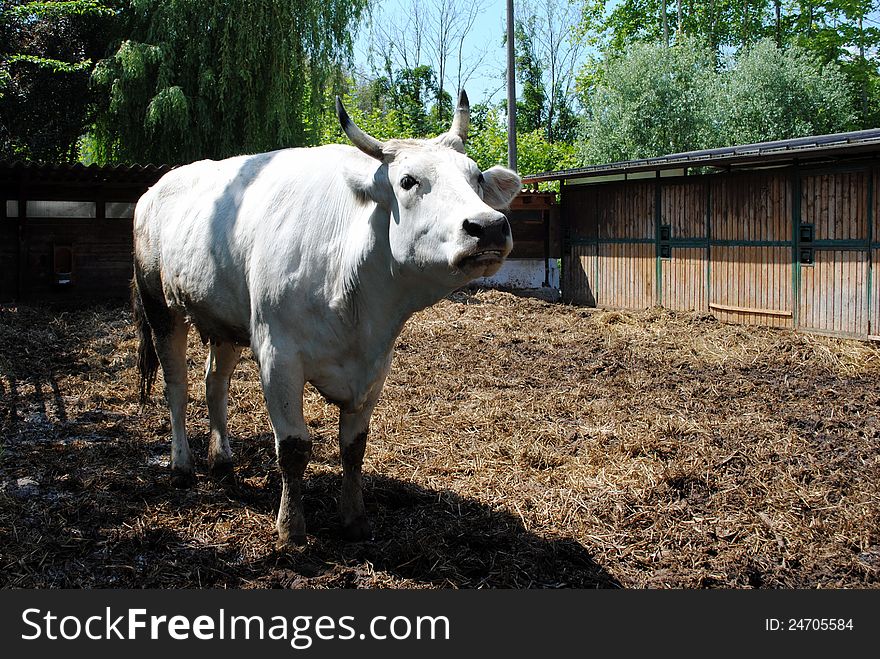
[[216, 233]]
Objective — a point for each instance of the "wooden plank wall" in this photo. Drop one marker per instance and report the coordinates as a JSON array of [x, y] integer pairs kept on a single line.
[[737, 246], [578, 213], [626, 211], [683, 275], [752, 285], [627, 267], [610, 259], [834, 293], [8, 258], [874, 271], [751, 207], [751, 249], [627, 275], [834, 289], [529, 216], [683, 208], [579, 275], [836, 204], [683, 283], [102, 259]]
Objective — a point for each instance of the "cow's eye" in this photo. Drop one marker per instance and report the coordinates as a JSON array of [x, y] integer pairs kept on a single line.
[[480, 179], [407, 182]]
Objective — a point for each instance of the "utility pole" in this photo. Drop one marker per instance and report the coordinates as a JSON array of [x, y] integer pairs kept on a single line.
[[511, 91]]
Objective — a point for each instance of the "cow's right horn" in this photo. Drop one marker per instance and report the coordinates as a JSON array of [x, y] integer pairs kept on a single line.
[[366, 143]]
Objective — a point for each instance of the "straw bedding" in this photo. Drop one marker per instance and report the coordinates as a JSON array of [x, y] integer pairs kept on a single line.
[[518, 443]]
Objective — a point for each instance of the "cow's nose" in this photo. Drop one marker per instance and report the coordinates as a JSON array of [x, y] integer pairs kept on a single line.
[[489, 229]]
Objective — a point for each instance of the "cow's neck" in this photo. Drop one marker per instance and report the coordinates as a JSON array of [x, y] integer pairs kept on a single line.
[[387, 293]]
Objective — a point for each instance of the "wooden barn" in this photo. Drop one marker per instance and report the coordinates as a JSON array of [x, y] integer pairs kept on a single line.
[[783, 233], [66, 230]]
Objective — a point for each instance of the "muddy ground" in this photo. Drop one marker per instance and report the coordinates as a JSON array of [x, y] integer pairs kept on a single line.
[[518, 443]]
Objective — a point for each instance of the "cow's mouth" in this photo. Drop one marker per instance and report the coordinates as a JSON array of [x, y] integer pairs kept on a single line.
[[482, 258]]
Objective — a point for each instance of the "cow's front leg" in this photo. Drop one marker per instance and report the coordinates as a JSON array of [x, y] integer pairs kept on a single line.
[[353, 430], [293, 458], [283, 389], [222, 359]]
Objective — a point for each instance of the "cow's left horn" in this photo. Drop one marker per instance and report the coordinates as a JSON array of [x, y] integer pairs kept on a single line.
[[462, 117], [366, 143]]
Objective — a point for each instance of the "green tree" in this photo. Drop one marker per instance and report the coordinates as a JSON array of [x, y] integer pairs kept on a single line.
[[721, 24], [653, 100], [842, 32], [198, 78], [402, 104], [531, 109], [47, 50], [487, 145], [774, 94], [845, 32], [648, 101], [548, 52]]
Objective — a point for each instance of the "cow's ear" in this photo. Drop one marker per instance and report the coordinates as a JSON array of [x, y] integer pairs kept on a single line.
[[500, 186], [369, 183]]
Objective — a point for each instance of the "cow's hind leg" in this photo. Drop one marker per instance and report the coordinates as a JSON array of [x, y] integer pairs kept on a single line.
[[283, 384], [171, 350], [221, 362]]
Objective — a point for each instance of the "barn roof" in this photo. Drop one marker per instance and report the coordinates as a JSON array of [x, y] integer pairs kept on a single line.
[[80, 173], [800, 149], [36, 180]]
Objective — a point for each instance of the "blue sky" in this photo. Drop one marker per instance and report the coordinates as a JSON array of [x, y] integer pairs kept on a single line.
[[486, 37]]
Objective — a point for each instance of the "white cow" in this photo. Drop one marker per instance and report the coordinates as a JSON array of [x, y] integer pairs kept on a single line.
[[315, 258]]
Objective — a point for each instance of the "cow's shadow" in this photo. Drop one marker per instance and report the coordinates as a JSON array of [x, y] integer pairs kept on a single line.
[[426, 537], [103, 514]]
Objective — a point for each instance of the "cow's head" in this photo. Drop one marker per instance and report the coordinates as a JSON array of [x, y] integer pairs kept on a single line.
[[445, 218]]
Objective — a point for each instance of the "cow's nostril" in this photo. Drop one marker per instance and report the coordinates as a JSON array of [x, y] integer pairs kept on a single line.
[[472, 228], [505, 228]]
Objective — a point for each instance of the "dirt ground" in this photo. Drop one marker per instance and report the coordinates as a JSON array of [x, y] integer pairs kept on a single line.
[[518, 443]]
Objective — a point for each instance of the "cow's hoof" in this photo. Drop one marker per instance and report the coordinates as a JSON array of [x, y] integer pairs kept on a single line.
[[358, 530], [290, 542], [223, 473], [182, 479]]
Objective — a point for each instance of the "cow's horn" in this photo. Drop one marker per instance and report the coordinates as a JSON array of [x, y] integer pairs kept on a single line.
[[462, 117], [366, 143]]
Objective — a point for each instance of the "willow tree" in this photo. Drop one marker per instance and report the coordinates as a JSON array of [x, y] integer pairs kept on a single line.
[[207, 78]]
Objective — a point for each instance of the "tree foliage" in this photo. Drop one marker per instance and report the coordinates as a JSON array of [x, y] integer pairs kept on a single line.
[[199, 78], [842, 32], [649, 100], [548, 53], [488, 145], [777, 94], [413, 35], [652, 100], [47, 50]]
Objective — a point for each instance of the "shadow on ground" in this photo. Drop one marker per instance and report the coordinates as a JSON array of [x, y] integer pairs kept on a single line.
[[102, 514]]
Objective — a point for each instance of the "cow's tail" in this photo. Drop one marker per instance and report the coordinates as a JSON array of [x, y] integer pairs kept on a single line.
[[147, 359]]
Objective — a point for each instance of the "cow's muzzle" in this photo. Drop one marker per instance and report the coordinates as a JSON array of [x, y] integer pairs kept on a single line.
[[489, 238]]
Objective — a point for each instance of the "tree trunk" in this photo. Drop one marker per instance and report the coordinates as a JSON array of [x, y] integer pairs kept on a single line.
[[778, 4], [665, 25]]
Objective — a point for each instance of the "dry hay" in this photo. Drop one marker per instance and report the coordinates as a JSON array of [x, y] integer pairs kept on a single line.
[[518, 443]]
